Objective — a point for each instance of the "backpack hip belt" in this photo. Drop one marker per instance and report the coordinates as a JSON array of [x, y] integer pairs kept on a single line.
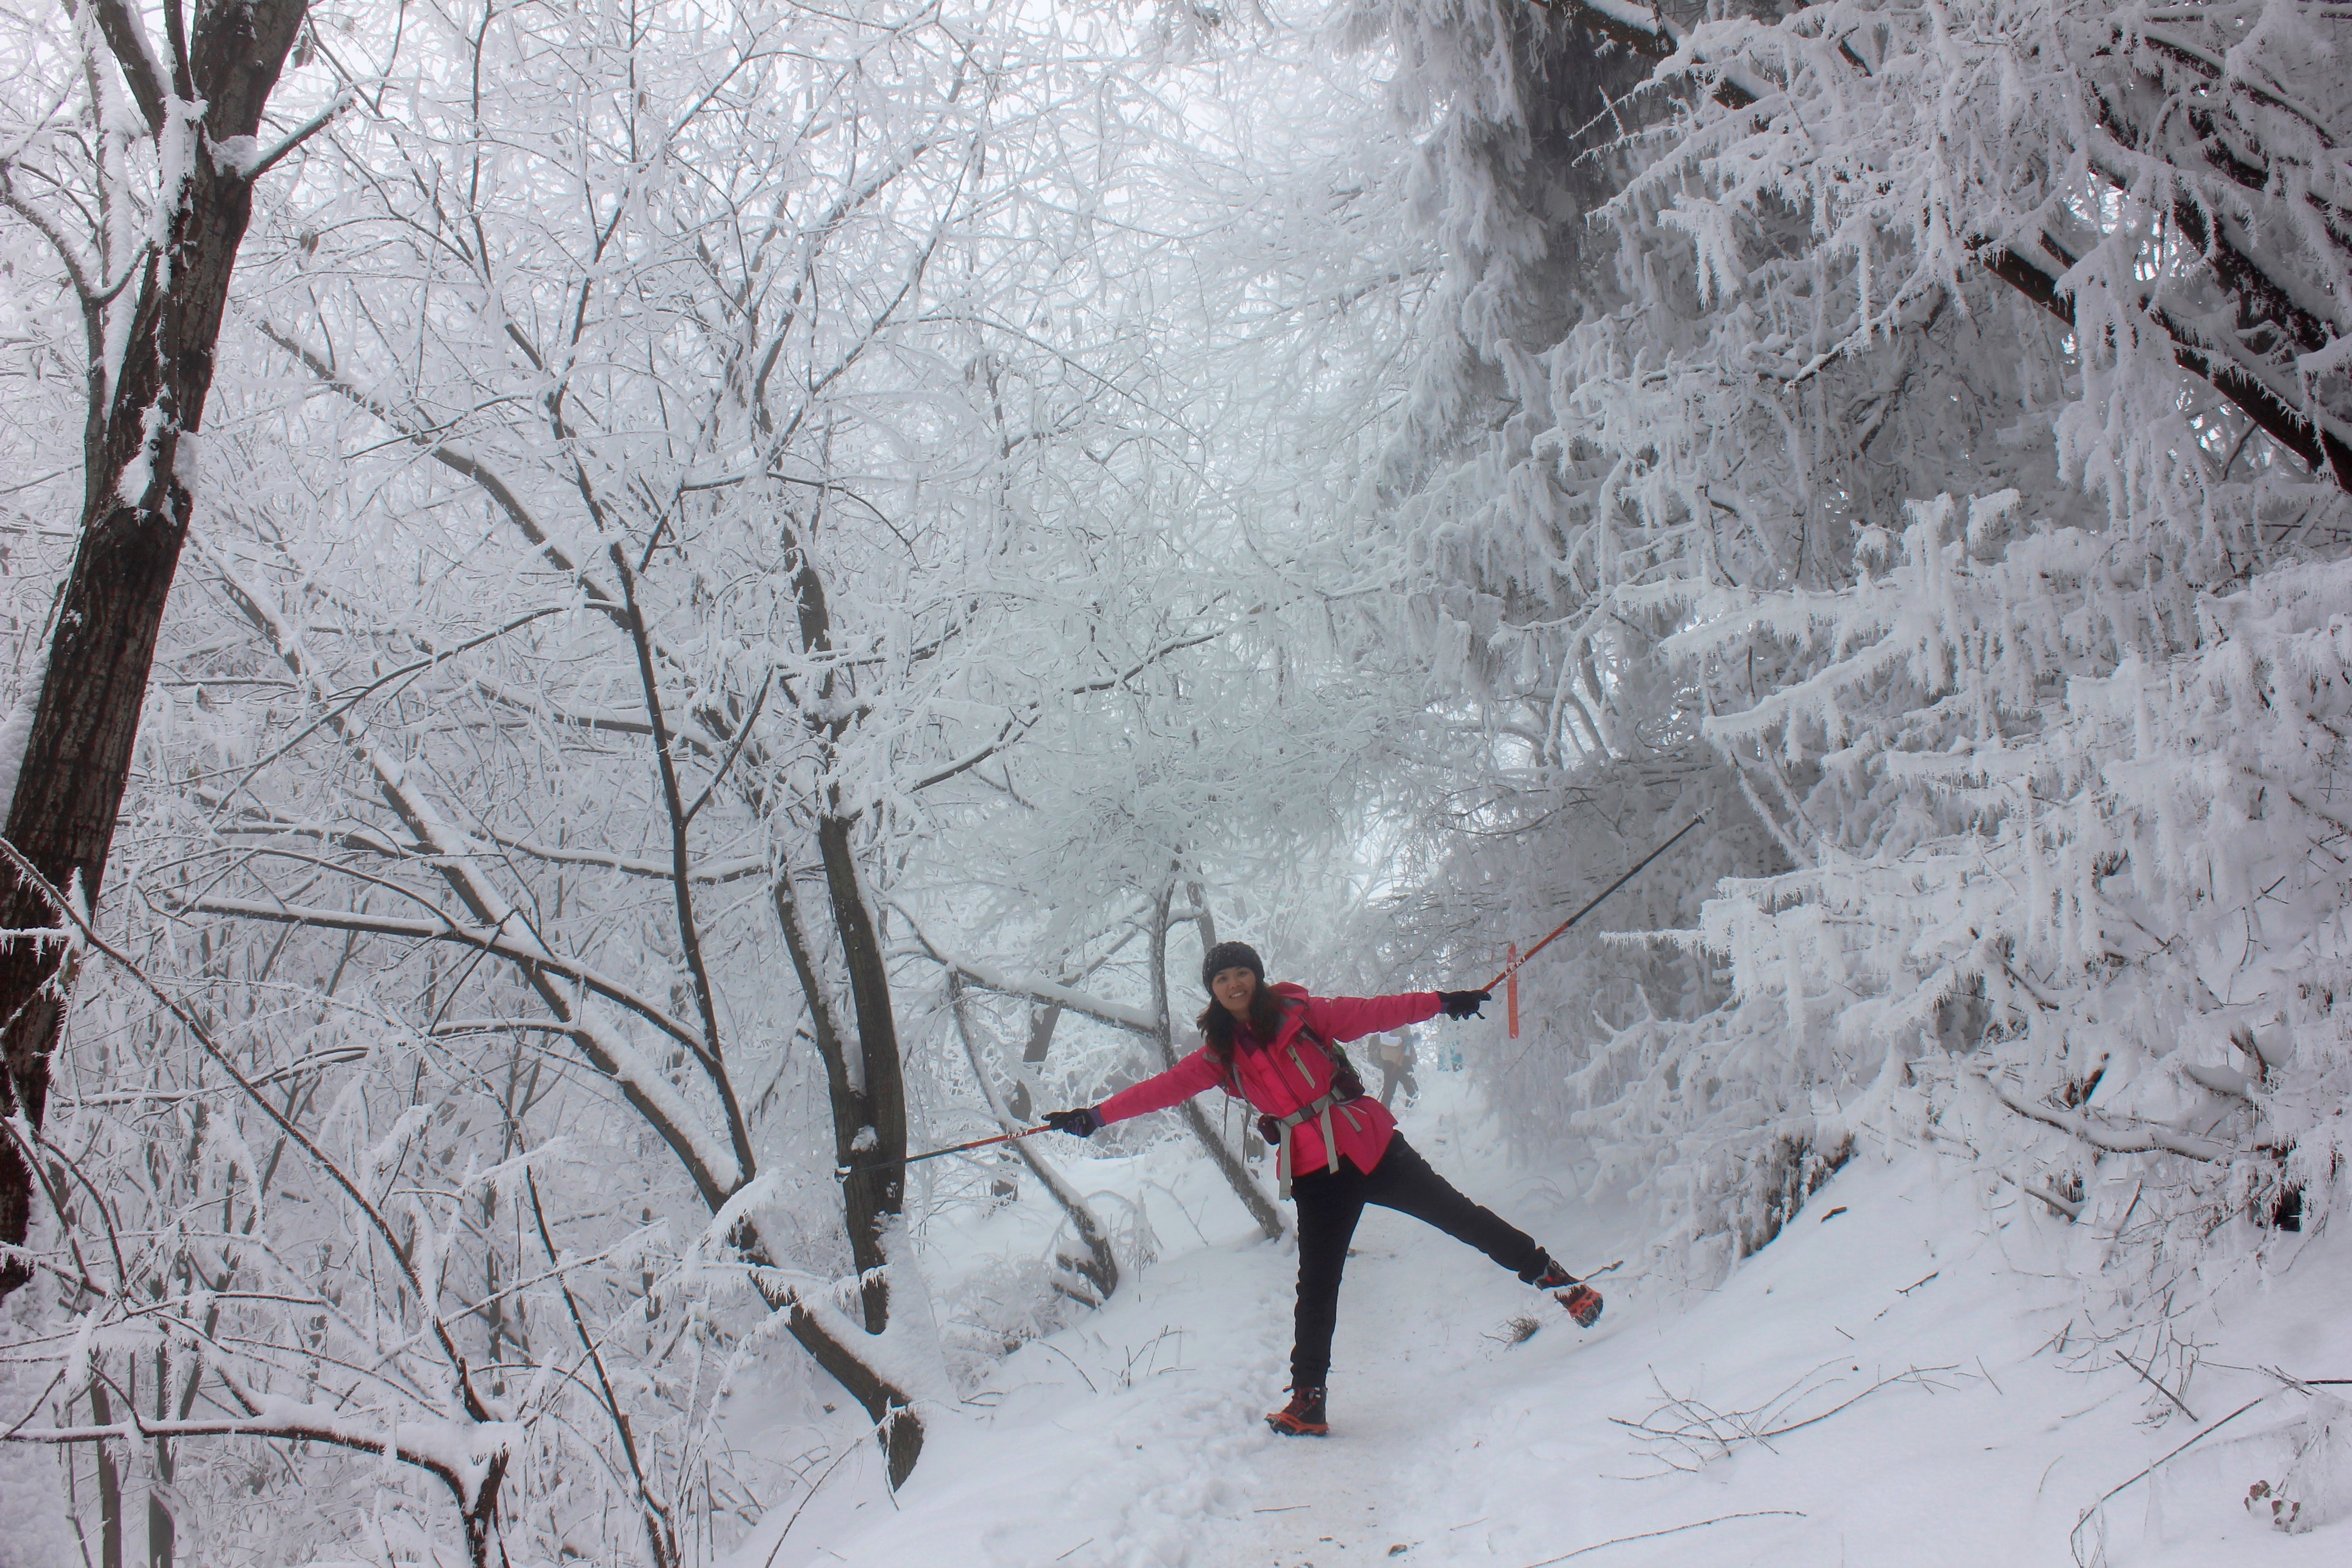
[[1317, 1111]]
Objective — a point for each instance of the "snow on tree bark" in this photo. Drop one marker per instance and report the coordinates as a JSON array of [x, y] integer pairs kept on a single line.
[[136, 508]]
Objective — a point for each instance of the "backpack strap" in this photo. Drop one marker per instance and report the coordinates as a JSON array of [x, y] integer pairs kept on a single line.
[[1312, 1109], [1317, 1111]]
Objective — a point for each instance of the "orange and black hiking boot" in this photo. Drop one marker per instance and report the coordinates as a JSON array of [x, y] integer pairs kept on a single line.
[[1583, 1304], [1582, 1301], [1303, 1417]]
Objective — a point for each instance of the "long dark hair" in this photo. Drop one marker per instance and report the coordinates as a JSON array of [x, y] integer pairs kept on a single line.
[[1266, 1011]]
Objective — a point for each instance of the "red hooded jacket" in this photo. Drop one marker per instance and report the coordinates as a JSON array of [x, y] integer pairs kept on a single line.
[[1293, 1072]]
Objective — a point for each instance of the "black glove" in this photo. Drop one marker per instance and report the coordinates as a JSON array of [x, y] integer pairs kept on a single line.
[[1464, 1003], [1083, 1122], [1270, 1128]]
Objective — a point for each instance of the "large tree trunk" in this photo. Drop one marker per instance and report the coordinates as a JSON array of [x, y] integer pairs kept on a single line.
[[868, 1090], [134, 520], [877, 1195], [869, 1196]]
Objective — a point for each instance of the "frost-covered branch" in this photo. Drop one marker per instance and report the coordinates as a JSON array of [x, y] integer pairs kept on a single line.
[[2133, 1138], [1035, 988], [1100, 1270]]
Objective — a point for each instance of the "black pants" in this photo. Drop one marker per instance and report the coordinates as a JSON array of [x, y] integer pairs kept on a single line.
[[1331, 1202]]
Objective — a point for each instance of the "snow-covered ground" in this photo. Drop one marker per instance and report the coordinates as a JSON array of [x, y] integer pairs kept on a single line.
[[1982, 1424]]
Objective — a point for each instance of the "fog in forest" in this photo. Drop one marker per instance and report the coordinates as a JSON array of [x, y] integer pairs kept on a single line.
[[640, 632]]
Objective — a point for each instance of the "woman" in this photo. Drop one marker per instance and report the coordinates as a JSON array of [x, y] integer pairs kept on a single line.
[[1278, 1049]]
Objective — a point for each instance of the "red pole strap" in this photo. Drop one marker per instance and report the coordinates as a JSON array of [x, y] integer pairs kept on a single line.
[[1511, 990], [1510, 971]]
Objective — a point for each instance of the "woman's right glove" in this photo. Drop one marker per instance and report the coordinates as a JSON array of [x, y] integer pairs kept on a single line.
[[1083, 1122], [1464, 1003]]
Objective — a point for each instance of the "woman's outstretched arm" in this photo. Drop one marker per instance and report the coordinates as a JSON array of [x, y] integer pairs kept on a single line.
[[1341, 1018], [1158, 1092]]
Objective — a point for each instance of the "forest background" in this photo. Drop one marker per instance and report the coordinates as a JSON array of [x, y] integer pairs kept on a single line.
[[613, 607]]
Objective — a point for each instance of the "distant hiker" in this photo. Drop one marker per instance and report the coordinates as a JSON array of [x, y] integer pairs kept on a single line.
[[1278, 1049], [1395, 1053]]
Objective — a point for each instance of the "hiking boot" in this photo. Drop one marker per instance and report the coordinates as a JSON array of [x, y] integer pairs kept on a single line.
[[1303, 1417], [1582, 1301], [1548, 1274], [1583, 1304]]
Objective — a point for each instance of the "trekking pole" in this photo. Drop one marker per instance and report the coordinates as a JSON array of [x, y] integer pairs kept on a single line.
[[1522, 961], [937, 1154]]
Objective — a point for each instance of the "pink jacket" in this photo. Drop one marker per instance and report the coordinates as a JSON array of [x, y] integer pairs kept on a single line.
[[1293, 1072]]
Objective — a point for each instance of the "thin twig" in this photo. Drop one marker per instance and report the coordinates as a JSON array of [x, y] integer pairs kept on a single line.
[[2147, 1377], [809, 1496], [202, 1036], [2111, 1491], [1671, 1530]]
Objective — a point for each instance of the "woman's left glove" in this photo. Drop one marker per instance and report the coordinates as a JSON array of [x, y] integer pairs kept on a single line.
[[1464, 1003], [1083, 1122]]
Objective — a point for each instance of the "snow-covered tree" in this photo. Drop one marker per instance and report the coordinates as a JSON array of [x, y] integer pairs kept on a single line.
[[2087, 265], [137, 169]]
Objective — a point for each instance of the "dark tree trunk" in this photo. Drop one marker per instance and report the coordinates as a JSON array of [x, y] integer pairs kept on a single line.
[[877, 1196], [109, 1484], [134, 520], [868, 1093], [1034, 1052], [483, 1547], [163, 1529]]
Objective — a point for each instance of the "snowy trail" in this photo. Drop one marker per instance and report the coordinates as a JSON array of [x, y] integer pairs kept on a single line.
[[1412, 1389], [1135, 1440], [1424, 1346]]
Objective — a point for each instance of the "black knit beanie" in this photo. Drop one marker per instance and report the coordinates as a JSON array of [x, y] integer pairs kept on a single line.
[[1231, 955]]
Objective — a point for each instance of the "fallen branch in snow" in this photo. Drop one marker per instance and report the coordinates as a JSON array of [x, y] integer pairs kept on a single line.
[[2150, 1378], [2073, 1542], [1099, 1269], [2220, 1080], [1705, 1434], [1154, 1023], [2059, 1206], [1672, 1530]]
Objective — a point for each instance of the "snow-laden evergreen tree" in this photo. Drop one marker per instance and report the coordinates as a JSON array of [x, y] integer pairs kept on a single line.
[[1935, 482]]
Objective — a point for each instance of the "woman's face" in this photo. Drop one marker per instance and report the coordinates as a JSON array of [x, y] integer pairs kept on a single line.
[[1232, 988]]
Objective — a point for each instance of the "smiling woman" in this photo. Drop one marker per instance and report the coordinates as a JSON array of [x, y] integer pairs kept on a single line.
[[1278, 1048]]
